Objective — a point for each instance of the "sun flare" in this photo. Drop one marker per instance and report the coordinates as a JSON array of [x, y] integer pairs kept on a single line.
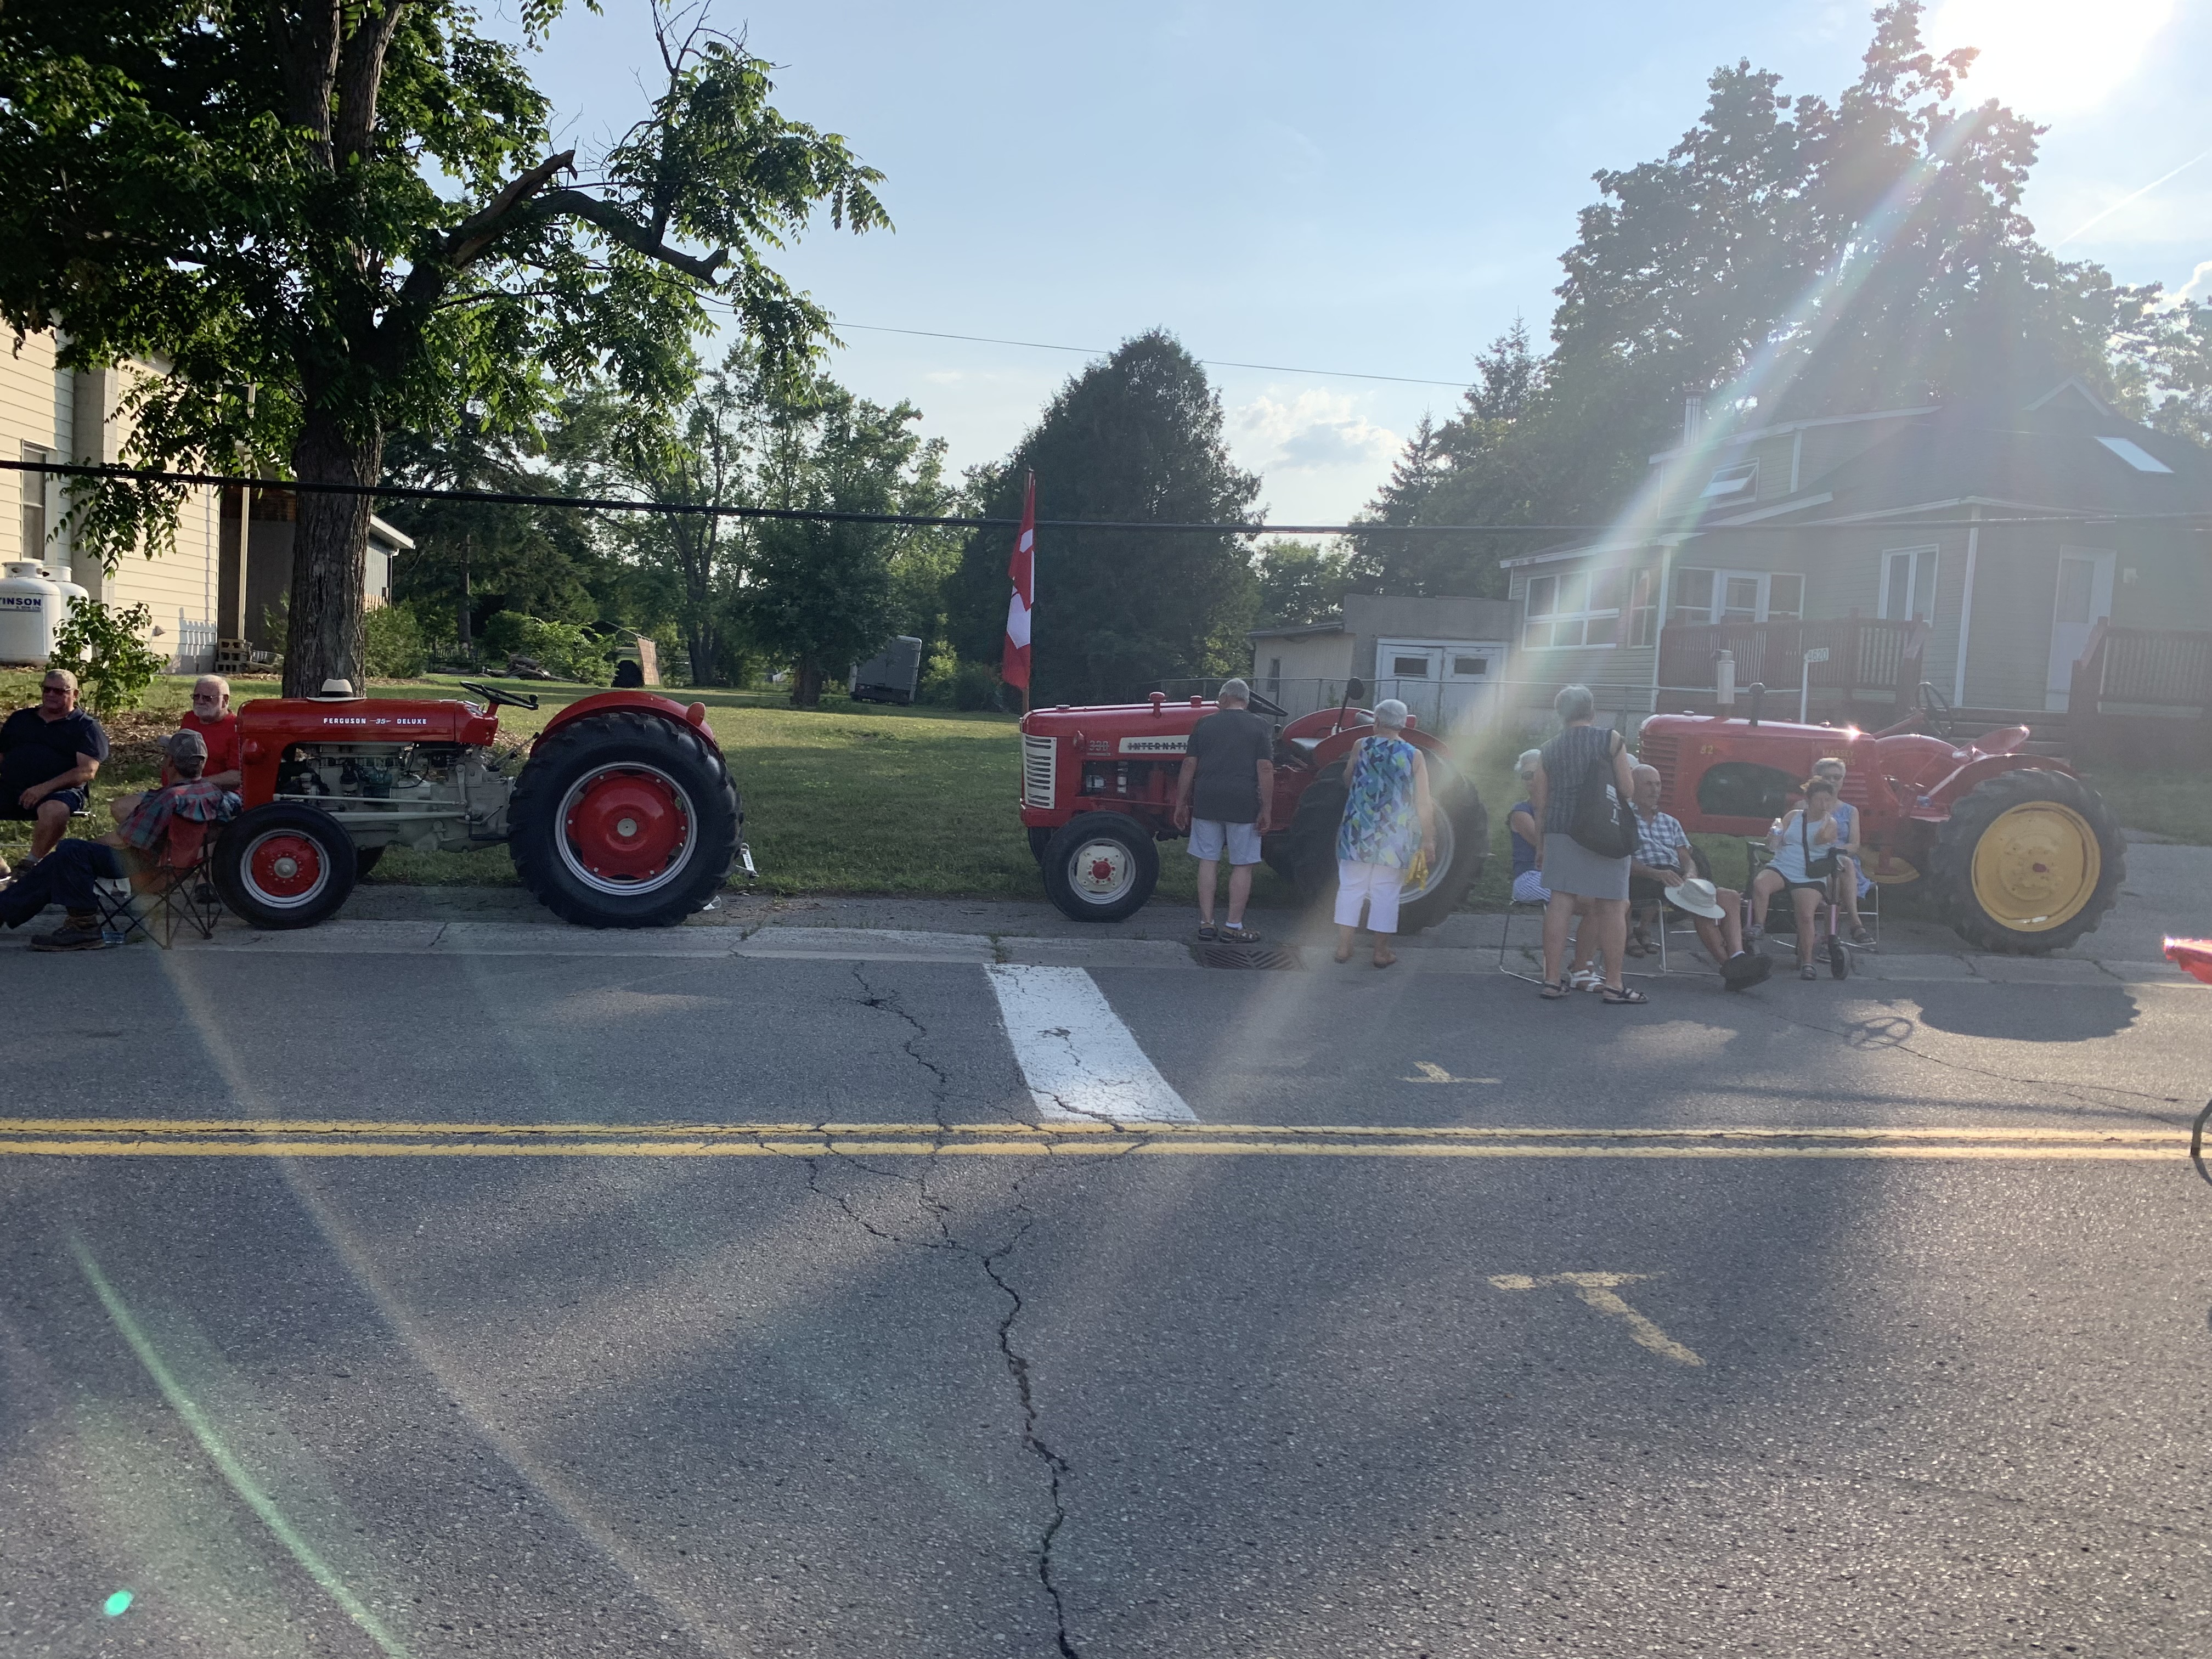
[[2048, 57]]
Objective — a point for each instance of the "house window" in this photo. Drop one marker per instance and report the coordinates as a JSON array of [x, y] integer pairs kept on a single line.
[[34, 503], [1908, 585], [1732, 483], [1643, 608], [2135, 455], [1469, 667], [1737, 596], [1410, 668], [1576, 609]]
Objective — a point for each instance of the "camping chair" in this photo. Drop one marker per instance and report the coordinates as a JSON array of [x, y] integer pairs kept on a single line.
[[1783, 918], [173, 887], [1506, 937]]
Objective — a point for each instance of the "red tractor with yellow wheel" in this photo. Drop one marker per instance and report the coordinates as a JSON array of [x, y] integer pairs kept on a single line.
[[2012, 848], [619, 814], [1099, 788]]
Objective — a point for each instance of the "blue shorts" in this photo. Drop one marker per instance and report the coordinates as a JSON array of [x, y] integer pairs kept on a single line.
[[1208, 837], [13, 808]]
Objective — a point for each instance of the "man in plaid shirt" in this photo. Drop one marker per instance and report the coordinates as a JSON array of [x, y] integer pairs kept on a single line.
[[1663, 860]]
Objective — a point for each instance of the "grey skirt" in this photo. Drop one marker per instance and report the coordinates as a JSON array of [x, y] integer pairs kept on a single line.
[[1572, 868]]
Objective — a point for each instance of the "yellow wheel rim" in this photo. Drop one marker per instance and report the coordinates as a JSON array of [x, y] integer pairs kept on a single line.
[[2036, 866]]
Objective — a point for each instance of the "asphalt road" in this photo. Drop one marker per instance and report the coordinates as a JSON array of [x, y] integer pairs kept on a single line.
[[560, 1388]]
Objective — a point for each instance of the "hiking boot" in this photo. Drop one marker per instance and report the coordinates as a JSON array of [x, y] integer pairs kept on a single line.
[[77, 933]]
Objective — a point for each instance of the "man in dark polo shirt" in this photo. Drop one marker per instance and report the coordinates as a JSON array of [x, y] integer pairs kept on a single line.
[[1222, 799], [48, 756]]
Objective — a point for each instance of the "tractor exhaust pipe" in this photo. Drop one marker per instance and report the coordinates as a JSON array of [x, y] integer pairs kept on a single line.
[[1354, 689]]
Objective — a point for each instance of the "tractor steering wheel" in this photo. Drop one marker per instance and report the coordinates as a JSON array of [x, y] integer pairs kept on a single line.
[[1937, 708], [494, 697]]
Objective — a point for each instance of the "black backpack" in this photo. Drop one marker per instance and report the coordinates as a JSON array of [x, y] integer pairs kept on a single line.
[[1605, 823]]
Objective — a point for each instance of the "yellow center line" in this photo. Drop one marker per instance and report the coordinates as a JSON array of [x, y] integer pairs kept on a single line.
[[361, 1138]]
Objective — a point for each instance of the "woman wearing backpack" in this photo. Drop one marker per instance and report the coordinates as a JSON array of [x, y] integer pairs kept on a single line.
[[1580, 794]]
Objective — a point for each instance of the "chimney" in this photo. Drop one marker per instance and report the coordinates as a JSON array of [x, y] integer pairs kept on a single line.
[[1693, 417]]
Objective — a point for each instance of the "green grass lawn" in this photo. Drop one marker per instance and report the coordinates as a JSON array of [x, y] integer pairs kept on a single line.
[[2176, 804]]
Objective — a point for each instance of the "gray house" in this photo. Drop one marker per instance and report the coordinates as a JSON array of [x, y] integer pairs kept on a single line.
[[1881, 539]]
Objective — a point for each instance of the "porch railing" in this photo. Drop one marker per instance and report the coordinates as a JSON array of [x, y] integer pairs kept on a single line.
[[1867, 656], [2142, 696]]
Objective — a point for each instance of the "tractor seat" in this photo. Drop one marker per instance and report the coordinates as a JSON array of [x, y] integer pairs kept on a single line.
[[1304, 746]]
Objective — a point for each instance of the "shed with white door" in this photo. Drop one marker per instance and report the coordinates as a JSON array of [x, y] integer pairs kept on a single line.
[[1444, 658]]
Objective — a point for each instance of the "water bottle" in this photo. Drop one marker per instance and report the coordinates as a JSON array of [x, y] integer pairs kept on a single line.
[[117, 893]]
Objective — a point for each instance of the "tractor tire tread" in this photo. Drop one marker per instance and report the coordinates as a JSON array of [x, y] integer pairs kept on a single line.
[[545, 778], [1951, 871]]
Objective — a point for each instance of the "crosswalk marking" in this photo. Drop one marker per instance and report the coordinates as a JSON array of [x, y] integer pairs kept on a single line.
[[1080, 1061]]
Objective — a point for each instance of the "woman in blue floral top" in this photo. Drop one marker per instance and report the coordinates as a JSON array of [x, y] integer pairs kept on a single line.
[[1388, 819]]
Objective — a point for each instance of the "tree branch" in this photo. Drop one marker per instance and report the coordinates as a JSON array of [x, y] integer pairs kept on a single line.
[[574, 203], [360, 76]]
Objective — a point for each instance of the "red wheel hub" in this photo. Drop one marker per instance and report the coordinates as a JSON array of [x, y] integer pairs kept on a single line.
[[627, 826], [287, 865]]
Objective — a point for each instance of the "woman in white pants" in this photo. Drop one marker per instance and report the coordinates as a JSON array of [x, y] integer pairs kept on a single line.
[[1389, 817]]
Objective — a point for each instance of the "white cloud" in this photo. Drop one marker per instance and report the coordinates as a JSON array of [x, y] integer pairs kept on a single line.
[[2188, 290], [1310, 431], [2048, 57]]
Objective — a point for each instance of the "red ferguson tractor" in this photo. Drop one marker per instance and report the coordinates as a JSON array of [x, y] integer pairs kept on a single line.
[[2018, 854], [619, 814], [1098, 788]]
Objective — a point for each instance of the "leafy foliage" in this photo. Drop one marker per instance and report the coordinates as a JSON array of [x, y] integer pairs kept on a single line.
[[1299, 582], [562, 649], [104, 646], [1137, 437], [392, 646], [334, 219]]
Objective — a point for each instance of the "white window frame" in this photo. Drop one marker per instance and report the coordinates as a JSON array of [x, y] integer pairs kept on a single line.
[[1580, 617], [1492, 651], [1719, 601], [1934, 556], [1738, 480]]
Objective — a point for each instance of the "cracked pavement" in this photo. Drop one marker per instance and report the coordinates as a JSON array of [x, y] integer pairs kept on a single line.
[[1082, 1406]]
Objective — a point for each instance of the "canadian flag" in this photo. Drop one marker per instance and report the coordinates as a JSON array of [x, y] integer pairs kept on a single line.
[[1021, 570]]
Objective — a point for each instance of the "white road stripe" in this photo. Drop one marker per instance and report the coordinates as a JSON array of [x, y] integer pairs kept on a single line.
[[1080, 1060]]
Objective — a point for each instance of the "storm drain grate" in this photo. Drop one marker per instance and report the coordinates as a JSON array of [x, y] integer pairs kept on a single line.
[[1218, 955]]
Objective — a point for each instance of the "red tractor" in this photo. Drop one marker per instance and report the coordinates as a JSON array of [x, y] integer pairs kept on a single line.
[[2017, 853], [1098, 788], [619, 814]]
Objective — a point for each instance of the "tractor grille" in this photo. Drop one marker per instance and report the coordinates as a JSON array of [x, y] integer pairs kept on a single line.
[[1040, 772], [1663, 753]]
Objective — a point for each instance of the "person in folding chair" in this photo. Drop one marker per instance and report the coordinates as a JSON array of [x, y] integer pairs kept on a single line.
[[1663, 870], [159, 842]]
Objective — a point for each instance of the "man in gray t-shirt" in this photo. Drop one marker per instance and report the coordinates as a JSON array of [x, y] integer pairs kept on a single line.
[[1221, 798]]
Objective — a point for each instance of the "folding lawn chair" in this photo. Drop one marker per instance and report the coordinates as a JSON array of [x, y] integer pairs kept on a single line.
[[174, 889]]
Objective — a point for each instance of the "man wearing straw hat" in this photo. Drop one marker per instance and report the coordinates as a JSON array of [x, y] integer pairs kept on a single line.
[[1662, 868]]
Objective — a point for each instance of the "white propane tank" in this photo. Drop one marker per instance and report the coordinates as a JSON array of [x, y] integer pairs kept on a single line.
[[31, 609]]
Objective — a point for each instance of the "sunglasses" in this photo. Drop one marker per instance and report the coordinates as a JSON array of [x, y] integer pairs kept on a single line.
[[205, 696]]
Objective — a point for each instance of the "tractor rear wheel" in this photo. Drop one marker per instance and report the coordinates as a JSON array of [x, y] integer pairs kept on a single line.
[[1101, 866], [2029, 861], [284, 866], [623, 820], [1462, 844]]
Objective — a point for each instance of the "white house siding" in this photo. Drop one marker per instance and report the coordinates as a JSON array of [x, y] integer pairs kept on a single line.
[[36, 408]]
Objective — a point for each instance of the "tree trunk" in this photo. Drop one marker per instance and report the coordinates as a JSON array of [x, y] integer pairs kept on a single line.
[[806, 684], [330, 557]]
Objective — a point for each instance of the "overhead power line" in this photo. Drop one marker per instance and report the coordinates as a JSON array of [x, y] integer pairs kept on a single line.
[[956, 521], [1106, 351]]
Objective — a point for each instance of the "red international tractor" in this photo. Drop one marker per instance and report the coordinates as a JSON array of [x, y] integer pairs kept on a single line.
[[1098, 788], [619, 814], [2016, 853]]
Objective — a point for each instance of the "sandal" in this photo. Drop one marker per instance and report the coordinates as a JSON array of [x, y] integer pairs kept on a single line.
[[1340, 956], [1206, 931], [1384, 959], [1626, 995], [1238, 935], [1552, 993]]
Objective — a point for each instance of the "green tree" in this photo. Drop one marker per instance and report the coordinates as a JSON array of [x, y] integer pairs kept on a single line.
[[2168, 352], [1299, 582], [823, 595], [1135, 437], [333, 219]]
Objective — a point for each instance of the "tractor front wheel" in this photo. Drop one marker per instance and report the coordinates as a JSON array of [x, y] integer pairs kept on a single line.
[[623, 820], [2029, 861], [284, 866], [1101, 866]]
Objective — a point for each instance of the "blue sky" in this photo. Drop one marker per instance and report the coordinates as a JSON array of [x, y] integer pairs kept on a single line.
[[1380, 188]]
